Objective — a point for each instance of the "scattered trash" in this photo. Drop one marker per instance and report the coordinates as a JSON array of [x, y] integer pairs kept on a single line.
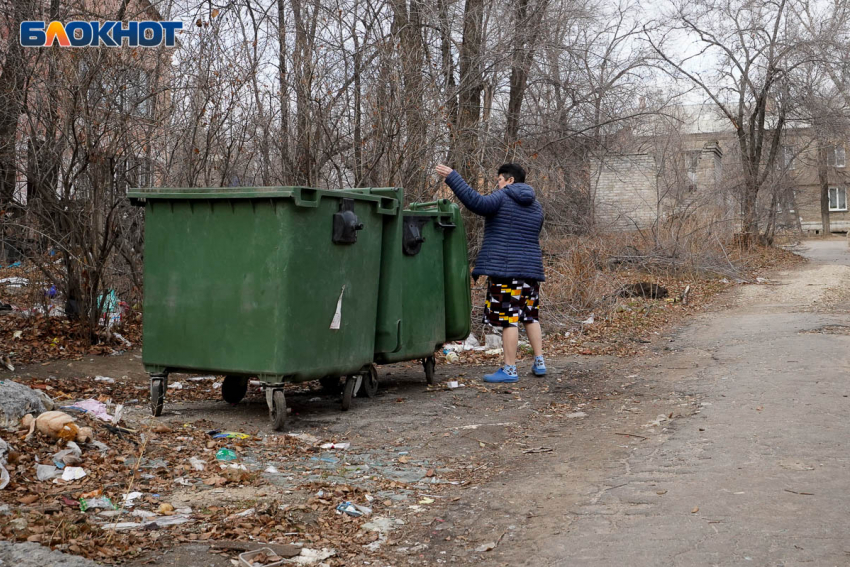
[[46, 472], [73, 473], [226, 455], [353, 509], [7, 362], [71, 455], [15, 282], [492, 342], [231, 435], [166, 509], [426, 500], [341, 446], [110, 309], [197, 464], [201, 378], [489, 546], [452, 357], [106, 379], [493, 351], [92, 406], [452, 384], [119, 413], [56, 425], [102, 447], [127, 343], [263, 557], [130, 499], [175, 386], [151, 522], [305, 437], [311, 556], [101, 502], [576, 415], [589, 321], [271, 469]]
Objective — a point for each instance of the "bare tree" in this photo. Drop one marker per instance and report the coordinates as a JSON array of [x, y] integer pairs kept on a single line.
[[751, 50]]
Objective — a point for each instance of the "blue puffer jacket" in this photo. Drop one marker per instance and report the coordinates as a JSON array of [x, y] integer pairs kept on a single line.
[[513, 219]]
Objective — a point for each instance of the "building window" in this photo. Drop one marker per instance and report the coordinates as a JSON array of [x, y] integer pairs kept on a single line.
[[837, 199], [788, 157], [125, 90], [836, 156], [137, 92]]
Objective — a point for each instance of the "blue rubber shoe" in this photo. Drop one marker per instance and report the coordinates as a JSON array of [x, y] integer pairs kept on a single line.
[[539, 367], [501, 377]]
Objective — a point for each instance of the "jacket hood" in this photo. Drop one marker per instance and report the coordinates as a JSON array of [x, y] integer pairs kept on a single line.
[[521, 193]]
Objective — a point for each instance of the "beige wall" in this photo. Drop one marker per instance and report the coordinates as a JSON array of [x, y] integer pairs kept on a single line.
[[625, 192]]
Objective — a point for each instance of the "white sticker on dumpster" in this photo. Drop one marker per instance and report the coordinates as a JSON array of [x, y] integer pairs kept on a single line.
[[338, 315]]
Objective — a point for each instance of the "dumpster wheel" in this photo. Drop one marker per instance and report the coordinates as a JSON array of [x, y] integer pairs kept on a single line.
[[234, 388], [158, 394], [277, 408], [429, 364], [352, 385], [369, 387]]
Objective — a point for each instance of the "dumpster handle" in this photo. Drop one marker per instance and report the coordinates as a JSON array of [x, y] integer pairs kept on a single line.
[[445, 225], [299, 194], [427, 205], [387, 206]]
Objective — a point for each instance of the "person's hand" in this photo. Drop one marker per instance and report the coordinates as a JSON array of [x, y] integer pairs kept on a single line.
[[443, 170]]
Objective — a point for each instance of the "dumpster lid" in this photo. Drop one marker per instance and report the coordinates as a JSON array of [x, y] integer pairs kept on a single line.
[[302, 196], [223, 192]]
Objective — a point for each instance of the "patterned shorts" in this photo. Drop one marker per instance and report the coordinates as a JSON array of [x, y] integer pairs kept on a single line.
[[511, 301]]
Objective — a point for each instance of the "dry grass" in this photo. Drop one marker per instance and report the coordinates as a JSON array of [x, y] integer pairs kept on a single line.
[[584, 276]]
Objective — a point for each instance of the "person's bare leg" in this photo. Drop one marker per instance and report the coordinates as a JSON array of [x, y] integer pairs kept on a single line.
[[510, 339], [535, 337]]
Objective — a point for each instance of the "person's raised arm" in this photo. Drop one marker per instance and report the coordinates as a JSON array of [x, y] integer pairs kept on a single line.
[[479, 204]]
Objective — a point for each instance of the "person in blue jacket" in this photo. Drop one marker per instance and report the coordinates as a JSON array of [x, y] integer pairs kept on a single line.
[[511, 259]]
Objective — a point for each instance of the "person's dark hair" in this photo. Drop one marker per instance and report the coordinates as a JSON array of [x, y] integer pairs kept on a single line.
[[509, 170]]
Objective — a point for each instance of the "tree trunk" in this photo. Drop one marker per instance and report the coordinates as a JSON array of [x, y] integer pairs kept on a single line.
[[358, 106], [407, 24], [13, 73], [520, 61], [448, 64], [823, 181], [302, 63], [465, 142], [284, 90]]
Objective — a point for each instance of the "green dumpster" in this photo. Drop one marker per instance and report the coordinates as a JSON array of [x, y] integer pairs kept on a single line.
[[277, 283], [424, 298]]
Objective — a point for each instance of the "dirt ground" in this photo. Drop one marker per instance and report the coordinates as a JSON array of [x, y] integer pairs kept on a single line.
[[549, 471]]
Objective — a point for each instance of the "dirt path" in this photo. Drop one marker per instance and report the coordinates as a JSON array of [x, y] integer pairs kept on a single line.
[[726, 443], [730, 448]]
